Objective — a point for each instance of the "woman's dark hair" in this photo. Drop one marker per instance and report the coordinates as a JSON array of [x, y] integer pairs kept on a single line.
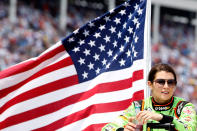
[[160, 67]]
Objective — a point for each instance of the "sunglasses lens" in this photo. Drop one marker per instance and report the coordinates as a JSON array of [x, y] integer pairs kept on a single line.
[[170, 82], [160, 81]]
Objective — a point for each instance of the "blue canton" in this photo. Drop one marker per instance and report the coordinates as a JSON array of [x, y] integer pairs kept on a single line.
[[110, 42]]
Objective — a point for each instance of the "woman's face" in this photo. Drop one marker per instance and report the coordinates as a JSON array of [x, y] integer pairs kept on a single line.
[[163, 87]]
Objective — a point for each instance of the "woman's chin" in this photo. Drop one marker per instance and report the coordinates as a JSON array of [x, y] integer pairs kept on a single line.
[[165, 97]]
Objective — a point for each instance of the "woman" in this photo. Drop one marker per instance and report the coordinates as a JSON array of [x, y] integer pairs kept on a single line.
[[161, 107]]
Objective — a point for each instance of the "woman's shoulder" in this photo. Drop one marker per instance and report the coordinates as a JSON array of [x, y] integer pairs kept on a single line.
[[182, 102], [178, 98]]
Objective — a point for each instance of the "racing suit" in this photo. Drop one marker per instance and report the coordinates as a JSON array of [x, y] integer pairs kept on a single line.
[[182, 113]]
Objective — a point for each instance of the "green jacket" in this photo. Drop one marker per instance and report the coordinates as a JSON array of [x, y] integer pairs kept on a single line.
[[184, 119]]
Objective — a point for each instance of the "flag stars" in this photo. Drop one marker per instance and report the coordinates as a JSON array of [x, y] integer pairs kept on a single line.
[[138, 25], [122, 62], [139, 11], [107, 39], [96, 57], [81, 42], [81, 61], [104, 61], [76, 31], [128, 53], [115, 43], [126, 4], [115, 57], [122, 12], [91, 43], [117, 21], [130, 16], [135, 20], [107, 66], [98, 71], [112, 29], [119, 34], [136, 39], [76, 49], [71, 39], [85, 75], [91, 66], [109, 53], [124, 25], [126, 39], [102, 48], [97, 35], [135, 53], [107, 18], [130, 30], [102, 27], [121, 48], [136, 6], [86, 52], [86, 33], [102, 45], [90, 24]]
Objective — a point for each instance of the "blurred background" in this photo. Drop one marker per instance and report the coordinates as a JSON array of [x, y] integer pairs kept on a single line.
[[27, 28]]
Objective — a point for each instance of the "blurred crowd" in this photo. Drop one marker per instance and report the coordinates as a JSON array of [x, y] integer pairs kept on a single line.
[[177, 47], [31, 34], [36, 30]]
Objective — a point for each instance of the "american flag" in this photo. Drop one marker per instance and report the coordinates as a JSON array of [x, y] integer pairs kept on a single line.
[[84, 80]]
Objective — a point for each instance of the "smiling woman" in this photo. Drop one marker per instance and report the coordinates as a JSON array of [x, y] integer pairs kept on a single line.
[[162, 82], [161, 107]]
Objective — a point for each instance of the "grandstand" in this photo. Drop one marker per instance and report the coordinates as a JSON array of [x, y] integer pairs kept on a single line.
[[27, 28]]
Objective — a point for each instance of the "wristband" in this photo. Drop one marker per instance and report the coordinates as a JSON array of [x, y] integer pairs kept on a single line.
[[166, 119], [120, 129]]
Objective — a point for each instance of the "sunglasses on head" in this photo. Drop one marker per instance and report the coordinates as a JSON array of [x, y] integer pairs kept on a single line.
[[170, 82]]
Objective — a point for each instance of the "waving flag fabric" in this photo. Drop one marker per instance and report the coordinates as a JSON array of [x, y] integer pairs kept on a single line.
[[84, 80]]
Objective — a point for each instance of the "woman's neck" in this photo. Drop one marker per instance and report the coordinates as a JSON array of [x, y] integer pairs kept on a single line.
[[160, 102]]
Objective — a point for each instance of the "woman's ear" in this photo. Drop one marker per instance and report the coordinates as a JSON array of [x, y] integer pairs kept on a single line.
[[150, 84]]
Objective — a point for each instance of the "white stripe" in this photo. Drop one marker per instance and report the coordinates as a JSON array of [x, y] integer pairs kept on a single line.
[[97, 98], [15, 79], [56, 75], [58, 44], [61, 94], [42, 80], [53, 97], [93, 119]]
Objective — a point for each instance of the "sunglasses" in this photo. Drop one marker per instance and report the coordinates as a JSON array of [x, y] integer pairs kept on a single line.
[[162, 82]]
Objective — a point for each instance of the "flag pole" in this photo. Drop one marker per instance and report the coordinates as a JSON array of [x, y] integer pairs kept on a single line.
[[147, 46]]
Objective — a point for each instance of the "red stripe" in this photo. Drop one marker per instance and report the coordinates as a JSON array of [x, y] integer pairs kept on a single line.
[[95, 127], [138, 95], [93, 109], [46, 109], [30, 64], [63, 83], [53, 86], [49, 108], [61, 64], [138, 75]]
